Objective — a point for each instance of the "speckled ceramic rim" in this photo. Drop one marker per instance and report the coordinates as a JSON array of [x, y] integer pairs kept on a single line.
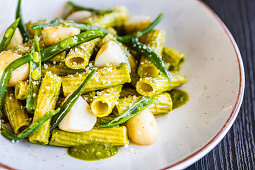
[[216, 139], [219, 136]]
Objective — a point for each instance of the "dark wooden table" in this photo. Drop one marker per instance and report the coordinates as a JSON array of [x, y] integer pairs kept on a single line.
[[237, 149]]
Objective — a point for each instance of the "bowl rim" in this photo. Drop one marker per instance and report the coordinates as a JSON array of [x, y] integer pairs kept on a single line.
[[223, 131], [187, 161]]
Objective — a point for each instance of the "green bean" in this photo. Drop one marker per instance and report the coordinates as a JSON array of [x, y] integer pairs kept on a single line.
[[65, 108], [68, 43], [9, 34], [142, 32], [34, 75], [71, 7], [52, 23], [85, 27], [7, 75], [22, 26], [7, 133], [33, 127], [131, 112], [150, 54]]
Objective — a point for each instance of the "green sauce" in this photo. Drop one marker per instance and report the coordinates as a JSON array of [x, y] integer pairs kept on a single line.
[[93, 152], [179, 97]]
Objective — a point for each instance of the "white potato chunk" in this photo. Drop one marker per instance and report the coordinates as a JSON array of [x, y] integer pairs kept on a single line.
[[136, 23], [16, 40], [111, 53], [139, 20], [52, 35], [79, 118], [20, 74], [79, 16], [143, 128]]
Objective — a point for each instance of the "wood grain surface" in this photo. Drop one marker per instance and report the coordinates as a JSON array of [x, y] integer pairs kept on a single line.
[[237, 149]]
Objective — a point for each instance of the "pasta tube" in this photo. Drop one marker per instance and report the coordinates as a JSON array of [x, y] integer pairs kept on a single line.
[[117, 17], [103, 78], [116, 136], [105, 101], [78, 57], [173, 59], [46, 101], [21, 90], [150, 86], [59, 69], [59, 58], [162, 105], [17, 117], [155, 40], [125, 92], [88, 97], [126, 103]]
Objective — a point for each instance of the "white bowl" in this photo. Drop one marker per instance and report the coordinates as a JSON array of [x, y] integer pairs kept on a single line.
[[215, 75]]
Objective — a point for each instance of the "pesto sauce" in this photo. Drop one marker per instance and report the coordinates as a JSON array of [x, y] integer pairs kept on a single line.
[[179, 97], [93, 151]]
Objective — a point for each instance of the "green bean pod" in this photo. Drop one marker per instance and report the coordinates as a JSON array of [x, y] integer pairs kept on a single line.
[[150, 54], [133, 111], [71, 7], [85, 27], [68, 43], [65, 108], [9, 34], [34, 75], [22, 26], [142, 32], [7, 133], [54, 22]]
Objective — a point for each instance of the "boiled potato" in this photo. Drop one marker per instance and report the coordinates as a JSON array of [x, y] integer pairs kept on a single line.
[[20, 74], [79, 16], [16, 40], [136, 23], [79, 119], [111, 53], [53, 35], [143, 128]]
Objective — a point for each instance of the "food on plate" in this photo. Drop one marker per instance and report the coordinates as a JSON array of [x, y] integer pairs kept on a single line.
[[92, 81]]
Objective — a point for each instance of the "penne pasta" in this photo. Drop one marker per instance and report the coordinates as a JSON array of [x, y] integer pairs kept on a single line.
[[47, 98], [103, 78], [16, 114]]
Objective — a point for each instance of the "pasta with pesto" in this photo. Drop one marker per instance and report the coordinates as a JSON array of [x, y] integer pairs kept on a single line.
[[97, 77]]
